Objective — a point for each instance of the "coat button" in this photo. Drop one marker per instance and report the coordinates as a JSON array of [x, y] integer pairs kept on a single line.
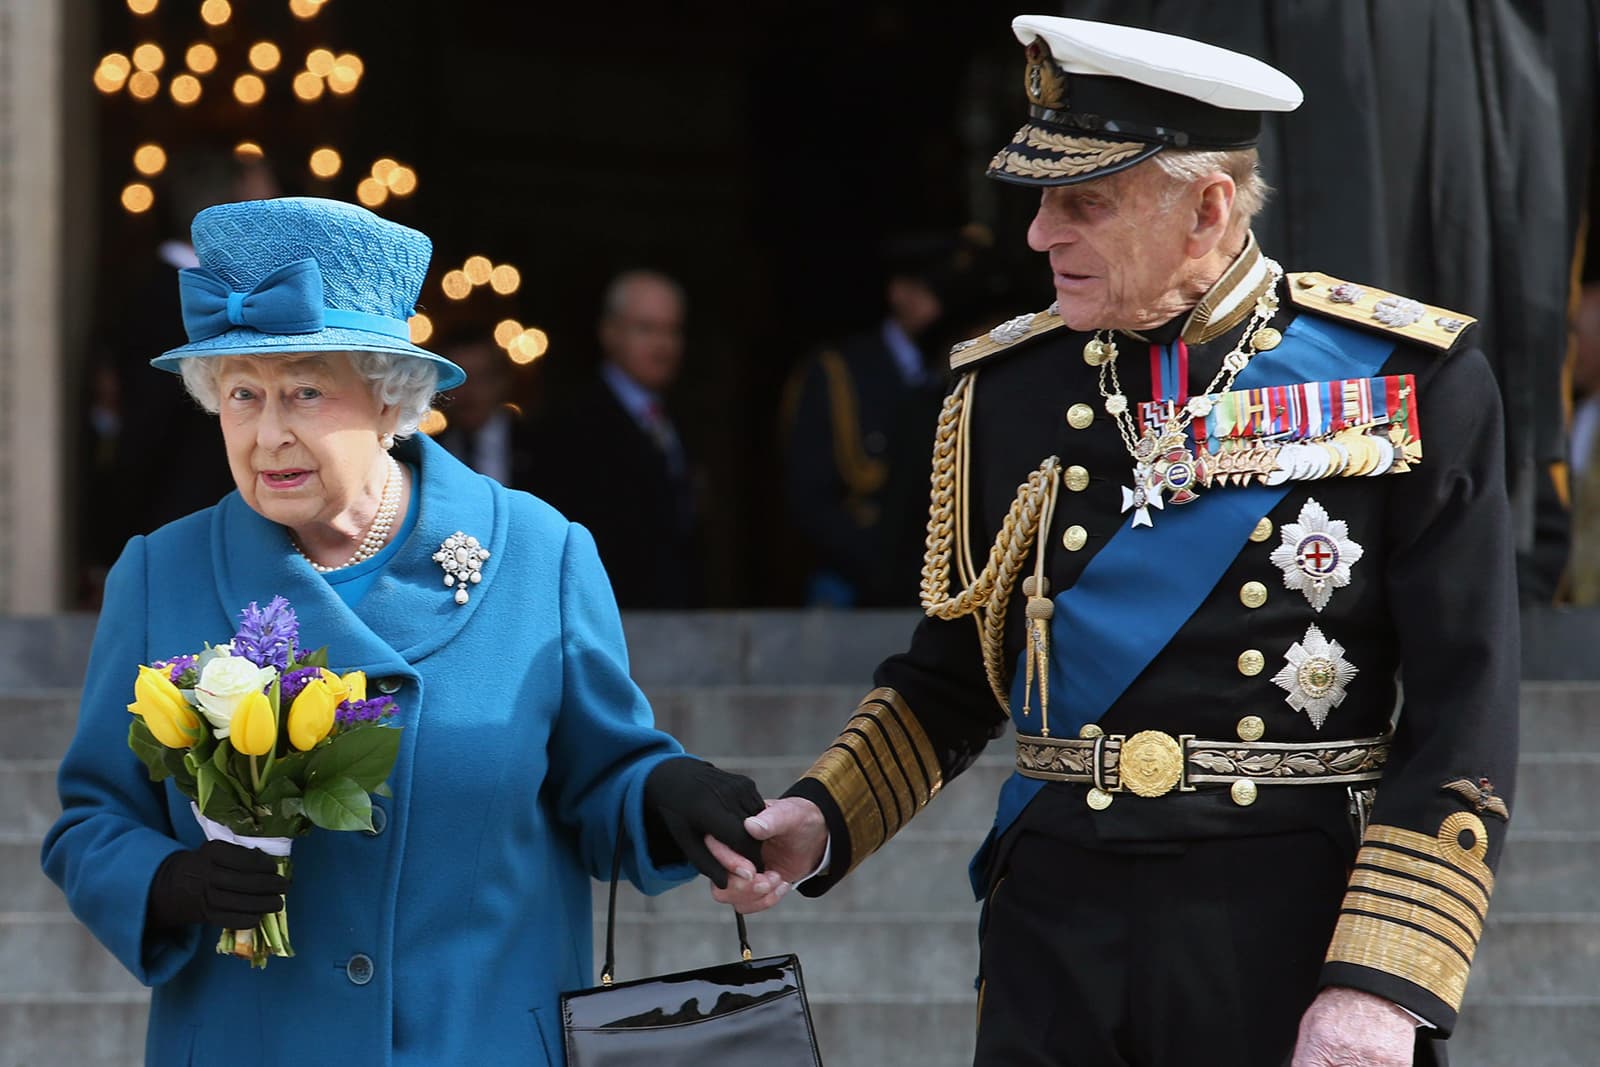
[[388, 686], [359, 969], [1076, 478], [1251, 663], [1089, 731], [1262, 531], [1243, 793], [1074, 538], [1252, 594], [1079, 416], [380, 822], [1251, 728]]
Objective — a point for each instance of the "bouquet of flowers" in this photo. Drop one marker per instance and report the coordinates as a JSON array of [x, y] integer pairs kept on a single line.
[[259, 775]]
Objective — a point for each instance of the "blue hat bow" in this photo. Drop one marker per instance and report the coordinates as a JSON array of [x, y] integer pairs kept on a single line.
[[287, 301]]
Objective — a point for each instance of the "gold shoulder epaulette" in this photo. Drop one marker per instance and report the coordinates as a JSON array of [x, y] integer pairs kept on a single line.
[[1007, 335], [1375, 309]]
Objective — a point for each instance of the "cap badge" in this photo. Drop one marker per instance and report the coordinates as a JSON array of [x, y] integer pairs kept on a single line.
[[1315, 676], [1316, 554], [1045, 84]]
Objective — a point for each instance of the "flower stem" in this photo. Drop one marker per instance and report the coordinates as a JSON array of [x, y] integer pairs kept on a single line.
[[255, 774]]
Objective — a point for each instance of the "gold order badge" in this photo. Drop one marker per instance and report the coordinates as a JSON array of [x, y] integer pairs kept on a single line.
[[1150, 763]]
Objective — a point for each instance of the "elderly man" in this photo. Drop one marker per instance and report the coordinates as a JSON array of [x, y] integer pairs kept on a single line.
[[1228, 550], [609, 455]]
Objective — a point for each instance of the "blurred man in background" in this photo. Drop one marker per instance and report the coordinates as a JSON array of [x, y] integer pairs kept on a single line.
[[610, 457], [486, 431]]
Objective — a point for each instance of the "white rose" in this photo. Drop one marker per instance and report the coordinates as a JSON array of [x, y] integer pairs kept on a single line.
[[224, 682]]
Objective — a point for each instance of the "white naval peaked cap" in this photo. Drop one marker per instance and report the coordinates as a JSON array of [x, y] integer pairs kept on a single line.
[[1103, 98], [1204, 72]]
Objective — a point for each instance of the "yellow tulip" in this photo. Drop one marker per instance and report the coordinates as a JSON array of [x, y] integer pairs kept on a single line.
[[170, 718], [311, 714], [253, 729], [356, 683]]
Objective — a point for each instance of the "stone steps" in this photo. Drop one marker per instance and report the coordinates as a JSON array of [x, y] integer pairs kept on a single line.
[[890, 954]]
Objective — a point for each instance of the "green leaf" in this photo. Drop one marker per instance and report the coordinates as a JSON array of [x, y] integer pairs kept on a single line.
[[382, 790], [292, 806], [151, 753], [287, 768], [274, 793], [177, 764], [365, 755], [319, 658], [206, 781], [219, 758], [339, 804]]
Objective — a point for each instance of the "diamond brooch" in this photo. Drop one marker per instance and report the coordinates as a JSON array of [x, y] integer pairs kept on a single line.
[[462, 558]]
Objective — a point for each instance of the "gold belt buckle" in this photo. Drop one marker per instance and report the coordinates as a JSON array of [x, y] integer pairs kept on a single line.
[[1150, 763]]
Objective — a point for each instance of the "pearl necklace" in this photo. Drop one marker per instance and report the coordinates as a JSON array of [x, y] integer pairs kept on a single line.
[[1162, 461], [377, 533]]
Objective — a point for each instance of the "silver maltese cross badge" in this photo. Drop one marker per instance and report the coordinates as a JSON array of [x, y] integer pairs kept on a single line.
[[1316, 554], [462, 558], [1315, 676]]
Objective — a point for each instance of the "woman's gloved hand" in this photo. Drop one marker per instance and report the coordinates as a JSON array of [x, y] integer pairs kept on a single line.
[[217, 884], [686, 800]]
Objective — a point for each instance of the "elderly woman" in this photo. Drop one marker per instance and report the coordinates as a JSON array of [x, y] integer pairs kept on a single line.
[[446, 934]]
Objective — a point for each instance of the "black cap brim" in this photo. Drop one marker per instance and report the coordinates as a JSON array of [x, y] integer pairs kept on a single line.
[[1038, 155]]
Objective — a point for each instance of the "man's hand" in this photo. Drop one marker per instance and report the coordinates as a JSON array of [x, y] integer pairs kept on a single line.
[[1349, 1028], [793, 836]]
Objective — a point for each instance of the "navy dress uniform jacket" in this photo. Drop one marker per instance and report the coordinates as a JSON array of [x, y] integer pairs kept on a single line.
[[1430, 609]]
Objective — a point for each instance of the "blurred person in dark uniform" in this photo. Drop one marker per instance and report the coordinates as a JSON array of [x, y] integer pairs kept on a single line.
[[1192, 528], [846, 409], [485, 430], [1583, 572], [609, 456]]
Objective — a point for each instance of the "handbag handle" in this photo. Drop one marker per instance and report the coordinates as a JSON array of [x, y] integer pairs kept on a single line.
[[608, 971]]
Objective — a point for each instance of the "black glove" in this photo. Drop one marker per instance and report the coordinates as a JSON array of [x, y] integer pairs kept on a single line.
[[684, 800], [217, 884]]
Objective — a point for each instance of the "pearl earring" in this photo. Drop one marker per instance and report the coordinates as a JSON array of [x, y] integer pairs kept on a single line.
[[387, 441]]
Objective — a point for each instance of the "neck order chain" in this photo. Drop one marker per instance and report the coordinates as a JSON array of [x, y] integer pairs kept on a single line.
[[378, 533], [1163, 463]]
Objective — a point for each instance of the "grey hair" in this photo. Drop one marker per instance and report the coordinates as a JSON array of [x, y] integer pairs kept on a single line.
[[615, 301], [405, 381], [1243, 165]]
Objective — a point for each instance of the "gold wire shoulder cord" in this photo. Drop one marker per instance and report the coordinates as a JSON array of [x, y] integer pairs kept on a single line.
[[986, 594]]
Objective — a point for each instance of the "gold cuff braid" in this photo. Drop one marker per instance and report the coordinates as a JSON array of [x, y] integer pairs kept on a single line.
[[1416, 905], [881, 771]]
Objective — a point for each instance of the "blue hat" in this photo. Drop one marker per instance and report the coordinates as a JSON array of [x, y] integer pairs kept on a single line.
[[300, 274]]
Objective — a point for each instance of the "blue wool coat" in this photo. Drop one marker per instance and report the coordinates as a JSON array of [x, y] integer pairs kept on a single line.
[[524, 741]]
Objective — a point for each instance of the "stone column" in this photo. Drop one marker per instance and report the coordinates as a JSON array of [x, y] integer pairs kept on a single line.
[[32, 359]]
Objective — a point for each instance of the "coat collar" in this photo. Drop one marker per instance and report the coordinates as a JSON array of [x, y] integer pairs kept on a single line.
[[1230, 299], [408, 613]]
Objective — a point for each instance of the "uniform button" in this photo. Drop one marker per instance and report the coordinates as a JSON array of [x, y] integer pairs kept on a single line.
[[387, 686], [1098, 799], [1076, 478], [1265, 339], [1089, 731], [1251, 728], [1262, 531], [1094, 353], [380, 821], [1252, 594], [1074, 538], [1243, 793], [1251, 663], [359, 969], [1079, 416]]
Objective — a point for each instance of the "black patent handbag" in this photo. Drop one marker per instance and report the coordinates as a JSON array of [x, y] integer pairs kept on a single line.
[[750, 1011]]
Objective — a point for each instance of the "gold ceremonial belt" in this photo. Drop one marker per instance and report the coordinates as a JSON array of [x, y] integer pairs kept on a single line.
[[1153, 764]]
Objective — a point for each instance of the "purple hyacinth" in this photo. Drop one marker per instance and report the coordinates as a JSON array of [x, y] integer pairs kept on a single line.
[[175, 667], [267, 637], [294, 681], [353, 712]]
